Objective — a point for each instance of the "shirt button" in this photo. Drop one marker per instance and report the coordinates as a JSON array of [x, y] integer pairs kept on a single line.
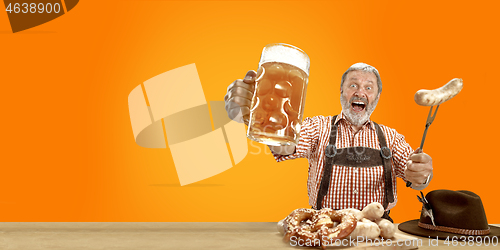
[[355, 171], [355, 191]]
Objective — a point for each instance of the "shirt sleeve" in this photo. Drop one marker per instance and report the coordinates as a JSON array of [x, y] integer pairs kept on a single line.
[[308, 141], [401, 152]]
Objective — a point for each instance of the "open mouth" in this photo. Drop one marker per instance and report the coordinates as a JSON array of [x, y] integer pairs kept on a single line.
[[358, 106]]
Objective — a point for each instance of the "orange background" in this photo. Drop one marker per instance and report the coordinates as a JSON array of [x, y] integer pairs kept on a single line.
[[68, 152]]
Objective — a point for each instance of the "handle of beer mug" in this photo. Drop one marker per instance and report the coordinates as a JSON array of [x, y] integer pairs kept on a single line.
[[249, 79]]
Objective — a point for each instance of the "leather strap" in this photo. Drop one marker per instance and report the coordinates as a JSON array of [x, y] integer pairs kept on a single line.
[[386, 157], [330, 152], [387, 217], [454, 230]]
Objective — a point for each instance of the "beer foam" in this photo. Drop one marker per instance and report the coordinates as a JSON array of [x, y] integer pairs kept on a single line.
[[284, 53]]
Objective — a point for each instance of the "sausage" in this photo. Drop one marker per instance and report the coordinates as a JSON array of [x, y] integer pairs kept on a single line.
[[387, 229], [370, 224], [373, 211], [358, 214], [366, 229], [433, 97]]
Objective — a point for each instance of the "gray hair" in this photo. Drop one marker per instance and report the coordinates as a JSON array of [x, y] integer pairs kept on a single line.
[[364, 67]]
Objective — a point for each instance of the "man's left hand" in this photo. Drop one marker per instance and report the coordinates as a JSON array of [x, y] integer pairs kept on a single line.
[[418, 168]]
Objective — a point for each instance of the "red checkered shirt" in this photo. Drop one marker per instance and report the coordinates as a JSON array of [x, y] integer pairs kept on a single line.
[[350, 187]]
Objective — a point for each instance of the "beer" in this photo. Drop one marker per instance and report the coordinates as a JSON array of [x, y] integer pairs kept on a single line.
[[278, 104]]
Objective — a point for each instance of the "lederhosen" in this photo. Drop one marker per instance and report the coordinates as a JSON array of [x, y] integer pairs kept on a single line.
[[360, 157]]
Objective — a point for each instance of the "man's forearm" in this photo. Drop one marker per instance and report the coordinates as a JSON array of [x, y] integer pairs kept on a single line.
[[282, 150]]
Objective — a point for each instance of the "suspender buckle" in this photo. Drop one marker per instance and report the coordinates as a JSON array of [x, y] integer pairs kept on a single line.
[[385, 152], [331, 150]]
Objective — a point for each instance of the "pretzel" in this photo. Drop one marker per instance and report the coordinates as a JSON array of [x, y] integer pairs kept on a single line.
[[316, 226], [347, 224], [299, 224]]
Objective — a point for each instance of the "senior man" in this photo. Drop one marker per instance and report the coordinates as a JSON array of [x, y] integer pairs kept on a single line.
[[353, 161]]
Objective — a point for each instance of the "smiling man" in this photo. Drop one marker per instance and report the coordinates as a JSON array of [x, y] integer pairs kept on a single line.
[[353, 161]]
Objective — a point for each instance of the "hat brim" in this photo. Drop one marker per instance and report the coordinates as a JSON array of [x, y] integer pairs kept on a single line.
[[412, 227]]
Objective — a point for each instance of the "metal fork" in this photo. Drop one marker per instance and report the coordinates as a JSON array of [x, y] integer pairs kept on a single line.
[[428, 123], [430, 119]]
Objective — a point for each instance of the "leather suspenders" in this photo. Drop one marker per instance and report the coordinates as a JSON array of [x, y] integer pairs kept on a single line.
[[356, 157], [385, 152]]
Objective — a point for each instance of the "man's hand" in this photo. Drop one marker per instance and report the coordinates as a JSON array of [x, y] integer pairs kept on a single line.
[[239, 98], [418, 169]]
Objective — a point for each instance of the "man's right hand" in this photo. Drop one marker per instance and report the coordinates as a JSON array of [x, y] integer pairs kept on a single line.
[[239, 97]]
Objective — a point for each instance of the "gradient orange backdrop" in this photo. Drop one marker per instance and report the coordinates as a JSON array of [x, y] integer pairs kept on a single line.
[[68, 152]]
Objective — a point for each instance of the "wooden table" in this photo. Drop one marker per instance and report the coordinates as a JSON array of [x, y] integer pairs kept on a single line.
[[157, 235]]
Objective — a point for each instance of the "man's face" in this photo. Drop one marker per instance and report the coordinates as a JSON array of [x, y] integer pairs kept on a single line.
[[359, 96]]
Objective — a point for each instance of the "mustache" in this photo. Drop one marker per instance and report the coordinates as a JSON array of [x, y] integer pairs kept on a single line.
[[355, 98]]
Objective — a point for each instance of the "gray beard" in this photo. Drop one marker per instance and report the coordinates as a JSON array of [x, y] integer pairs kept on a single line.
[[355, 118]]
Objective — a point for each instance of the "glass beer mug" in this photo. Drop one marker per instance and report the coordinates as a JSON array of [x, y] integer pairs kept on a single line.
[[280, 92]]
